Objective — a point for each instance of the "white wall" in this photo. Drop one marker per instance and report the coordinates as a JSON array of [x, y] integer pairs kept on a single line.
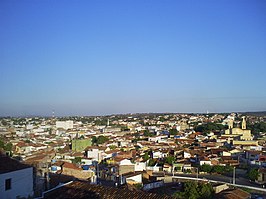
[[136, 178], [64, 124], [140, 166], [21, 184], [125, 162]]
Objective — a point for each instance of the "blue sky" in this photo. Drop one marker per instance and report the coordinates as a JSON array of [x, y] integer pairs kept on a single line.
[[103, 57]]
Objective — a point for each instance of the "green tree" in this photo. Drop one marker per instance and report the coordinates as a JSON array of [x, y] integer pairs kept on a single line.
[[147, 133], [2, 144], [206, 191], [208, 127], [253, 174], [102, 139], [218, 169], [173, 131], [76, 160], [112, 147], [193, 190], [170, 159], [152, 162], [8, 147], [206, 168], [99, 140], [146, 156]]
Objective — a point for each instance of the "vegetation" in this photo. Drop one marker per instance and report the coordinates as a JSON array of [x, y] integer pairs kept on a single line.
[[138, 185], [257, 127], [146, 156], [152, 162], [112, 147], [193, 190], [208, 127], [76, 160], [124, 128], [147, 133], [99, 140], [173, 131], [215, 169], [170, 159], [253, 174], [5, 146]]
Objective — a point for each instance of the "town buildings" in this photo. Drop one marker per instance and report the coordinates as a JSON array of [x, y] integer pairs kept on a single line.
[[141, 150]]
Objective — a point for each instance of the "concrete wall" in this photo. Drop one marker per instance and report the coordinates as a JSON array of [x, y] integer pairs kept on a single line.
[[21, 184], [136, 178]]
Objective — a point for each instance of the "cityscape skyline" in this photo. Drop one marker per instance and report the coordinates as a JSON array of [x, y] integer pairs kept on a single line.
[[102, 58]]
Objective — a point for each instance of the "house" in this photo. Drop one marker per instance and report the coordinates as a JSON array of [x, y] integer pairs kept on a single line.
[[83, 190], [252, 157], [16, 179], [204, 160], [70, 169], [132, 178], [234, 193], [262, 176]]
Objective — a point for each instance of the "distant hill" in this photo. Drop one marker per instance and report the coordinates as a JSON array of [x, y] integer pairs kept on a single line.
[[258, 113]]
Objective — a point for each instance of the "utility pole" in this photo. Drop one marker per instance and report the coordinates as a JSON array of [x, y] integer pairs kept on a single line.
[[173, 169], [197, 174], [234, 175]]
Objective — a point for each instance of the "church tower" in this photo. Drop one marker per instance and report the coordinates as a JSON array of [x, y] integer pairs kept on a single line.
[[244, 124], [231, 124]]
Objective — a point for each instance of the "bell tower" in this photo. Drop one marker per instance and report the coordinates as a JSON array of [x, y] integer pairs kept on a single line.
[[244, 124]]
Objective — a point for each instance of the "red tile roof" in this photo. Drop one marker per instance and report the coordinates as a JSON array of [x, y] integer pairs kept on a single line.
[[84, 190], [8, 164]]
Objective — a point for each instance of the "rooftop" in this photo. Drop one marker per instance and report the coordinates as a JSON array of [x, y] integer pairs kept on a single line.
[[8, 164], [84, 190]]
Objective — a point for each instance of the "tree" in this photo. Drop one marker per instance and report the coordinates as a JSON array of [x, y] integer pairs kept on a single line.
[[193, 190], [173, 131], [206, 191], [112, 147], [152, 162], [253, 174], [99, 140], [218, 169], [146, 156], [102, 139], [208, 127], [94, 140], [2, 144], [170, 159], [6, 147], [76, 160], [206, 168], [147, 133]]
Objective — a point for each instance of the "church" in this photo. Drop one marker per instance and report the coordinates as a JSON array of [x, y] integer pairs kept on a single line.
[[242, 133]]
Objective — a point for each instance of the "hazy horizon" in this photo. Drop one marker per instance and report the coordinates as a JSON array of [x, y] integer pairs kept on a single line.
[[114, 57]]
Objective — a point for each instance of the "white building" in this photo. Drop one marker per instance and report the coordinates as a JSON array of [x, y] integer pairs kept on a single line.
[[16, 179], [64, 124]]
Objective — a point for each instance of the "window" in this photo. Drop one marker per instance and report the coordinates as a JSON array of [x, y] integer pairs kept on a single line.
[[8, 184]]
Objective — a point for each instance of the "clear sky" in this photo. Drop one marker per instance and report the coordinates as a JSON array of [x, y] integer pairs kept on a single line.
[[95, 57]]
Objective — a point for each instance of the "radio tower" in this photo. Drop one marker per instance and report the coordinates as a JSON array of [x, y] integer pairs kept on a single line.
[[53, 114]]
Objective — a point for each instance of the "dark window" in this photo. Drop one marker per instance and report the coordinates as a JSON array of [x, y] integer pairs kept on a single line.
[[8, 184]]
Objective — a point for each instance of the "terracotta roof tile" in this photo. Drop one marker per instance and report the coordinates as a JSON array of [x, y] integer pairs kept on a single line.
[[84, 190]]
